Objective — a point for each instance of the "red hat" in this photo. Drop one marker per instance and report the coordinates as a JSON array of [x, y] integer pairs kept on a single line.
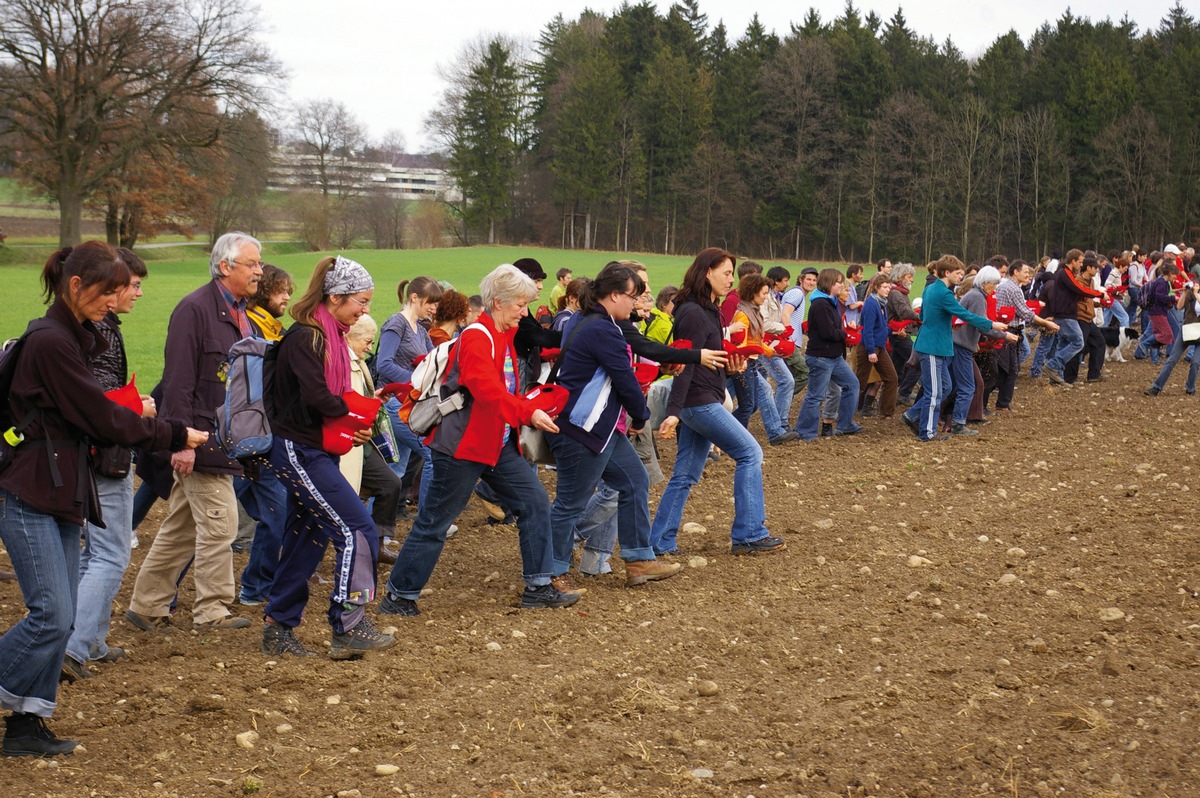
[[337, 434], [127, 396], [646, 373], [549, 398]]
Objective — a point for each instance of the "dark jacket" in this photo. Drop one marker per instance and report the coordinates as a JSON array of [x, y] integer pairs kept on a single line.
[[1063, 300], [696, 385], [826, 335], [596, 372], [298, 399], [875, 331], [652, 350], [196, 357], [74, 412], [1160, 297]]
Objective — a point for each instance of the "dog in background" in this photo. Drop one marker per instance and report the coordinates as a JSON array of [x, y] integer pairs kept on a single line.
[[1120, 342]]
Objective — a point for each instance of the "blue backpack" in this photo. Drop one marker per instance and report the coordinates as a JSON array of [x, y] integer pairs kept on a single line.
[[242, 426]]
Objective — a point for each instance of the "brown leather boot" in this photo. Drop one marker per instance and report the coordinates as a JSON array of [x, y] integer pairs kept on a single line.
[[643, 571], [563, 584]]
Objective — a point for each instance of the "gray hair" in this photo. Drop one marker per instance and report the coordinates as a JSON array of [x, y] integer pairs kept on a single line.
[[365, 327], [988, 275], [902, 270], [508, 284], [228, 247]]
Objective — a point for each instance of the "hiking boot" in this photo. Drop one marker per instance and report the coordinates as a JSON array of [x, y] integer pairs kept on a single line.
[[279, 640], [221, 624], [396, 605], [1054, 376], [74, 671], [911, 424], [154, 625], [494, 511], [857, 428], [27, 735], [546, 596], [826, 430], [563, 585], [359, 640], [643, 571], [962, 429], [762, 545], [1152, 391]]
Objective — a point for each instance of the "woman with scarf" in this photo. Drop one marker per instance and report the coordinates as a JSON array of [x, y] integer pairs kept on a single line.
[[310, 375], [753, 292]]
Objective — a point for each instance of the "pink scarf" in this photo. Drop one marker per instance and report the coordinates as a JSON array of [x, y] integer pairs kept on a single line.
[[337, 354]]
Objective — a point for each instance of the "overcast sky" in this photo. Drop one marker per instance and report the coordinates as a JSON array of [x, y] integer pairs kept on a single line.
[[380, 57]]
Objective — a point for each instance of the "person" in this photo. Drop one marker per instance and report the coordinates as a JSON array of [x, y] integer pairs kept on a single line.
[[903, 321], [935, 344], [1062, 305], [532, 337], [47, 492], [569, 302], [851, 305], [776, 367], [661, 325], [1189, 303], [270, 302], [563, 277], [201, 520], [1087, 309], [603, 392], [696, 411], [753, 291], [874, 354], [1160, 324], [481, 441], [105, 554], [310, 374], [795, 309], [826, 359], [1010, 294], [476, 302], [449, 317], [965, 374]]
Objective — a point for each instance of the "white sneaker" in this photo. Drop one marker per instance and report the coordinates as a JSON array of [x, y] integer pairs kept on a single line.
[[452, 531], [133, 543]]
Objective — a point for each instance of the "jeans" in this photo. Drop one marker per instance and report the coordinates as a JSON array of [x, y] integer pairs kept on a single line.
[[101, 568], [785, 386], [580, 470], [1068, 341], [449, 490], [822, 373], [265, 499], [744, 388], [597, 529], [935, 383], [700, 428], [45, 556], [1164, 374], [962, 373], [143, 501], [1144, 343], [1116, 311], [1046, 341], [1023, 351], [407, 441], [772, 423]]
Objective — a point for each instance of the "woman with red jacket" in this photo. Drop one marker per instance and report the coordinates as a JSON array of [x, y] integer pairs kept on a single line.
[[46, 485], [482, 441]]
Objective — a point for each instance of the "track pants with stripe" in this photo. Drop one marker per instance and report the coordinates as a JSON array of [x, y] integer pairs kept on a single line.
[[935, 384]]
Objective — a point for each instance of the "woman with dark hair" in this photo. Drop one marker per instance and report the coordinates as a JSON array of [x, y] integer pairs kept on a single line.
[[47, 491], [1189, 303], [697, 411], [311, 374], [753, 291], [826, 359], [596, 370], [569, 302], [874, 354], [450, 317]]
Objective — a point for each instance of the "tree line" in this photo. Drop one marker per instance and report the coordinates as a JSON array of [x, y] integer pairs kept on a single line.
[[851, 139]]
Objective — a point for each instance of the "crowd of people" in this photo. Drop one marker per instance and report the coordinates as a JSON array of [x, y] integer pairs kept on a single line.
[[632, 369]]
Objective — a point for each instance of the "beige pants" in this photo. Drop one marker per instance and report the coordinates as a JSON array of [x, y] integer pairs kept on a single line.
[[201, 523]]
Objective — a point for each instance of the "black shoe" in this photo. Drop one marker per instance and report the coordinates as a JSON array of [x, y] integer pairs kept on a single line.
[[279, 640], [762, 545], [962, 429], [114, 654], [1152, 391], [546, 596], [27, 735], [74, 671], [911, 424], [359, 640], [505, 521], [826, 430], [398, 606], [786, 437], [868, 412]]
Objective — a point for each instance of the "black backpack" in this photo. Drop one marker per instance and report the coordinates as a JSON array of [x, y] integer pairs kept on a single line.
[[13, 429]]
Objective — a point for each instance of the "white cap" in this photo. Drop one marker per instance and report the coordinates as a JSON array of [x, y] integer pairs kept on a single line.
[[1171, 249]]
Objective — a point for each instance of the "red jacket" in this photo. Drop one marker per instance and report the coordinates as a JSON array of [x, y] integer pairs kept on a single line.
[[476, 432]]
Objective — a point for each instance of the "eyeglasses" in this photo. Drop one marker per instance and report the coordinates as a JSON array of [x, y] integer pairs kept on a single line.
[[634, 297], [364, 305], [252, 265]]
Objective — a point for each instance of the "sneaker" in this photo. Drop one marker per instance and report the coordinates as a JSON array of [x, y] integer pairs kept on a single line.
[[153, 625], [1152, 391], [962, 429], [643, 571], [251, 601], [134, 542], [74, 671], [826, 430], [786, 437], [1054, 376], [911, 424], [27, 735], [279, 640], [358, 641], [452, 531], [507, 520], [857, 428], [397, 605], [762, 545], [978, 422], [937, 438], [563, 585], [545, 596], [221, 624]]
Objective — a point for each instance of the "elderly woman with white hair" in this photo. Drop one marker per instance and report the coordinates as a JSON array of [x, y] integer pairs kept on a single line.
[[482, 441], [965, 374]]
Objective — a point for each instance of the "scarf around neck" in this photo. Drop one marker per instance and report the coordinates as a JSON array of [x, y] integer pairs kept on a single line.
[[337, 354]]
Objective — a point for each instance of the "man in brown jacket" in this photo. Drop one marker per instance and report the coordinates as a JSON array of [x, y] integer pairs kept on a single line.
[[202, 516]]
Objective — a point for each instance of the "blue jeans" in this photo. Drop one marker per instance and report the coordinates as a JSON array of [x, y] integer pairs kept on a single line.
[[597, 529], [450, 489], [744, 388], [1046, 341], [101, 568], [1144, 343], [962, 374], [1164, 374], [408, 442], [772, 423], [1068, 342], [143, 501], [265, 499], [822, 373], [45, 555], [1023, 352], [785, 386], [579, 472], [935, 384], [700, 428], [1116, 311]]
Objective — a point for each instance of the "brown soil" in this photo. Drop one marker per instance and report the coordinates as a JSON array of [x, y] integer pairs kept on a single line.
[[841, 666]]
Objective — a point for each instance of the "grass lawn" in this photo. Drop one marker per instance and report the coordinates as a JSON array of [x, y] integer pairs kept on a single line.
[[175, 271]]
